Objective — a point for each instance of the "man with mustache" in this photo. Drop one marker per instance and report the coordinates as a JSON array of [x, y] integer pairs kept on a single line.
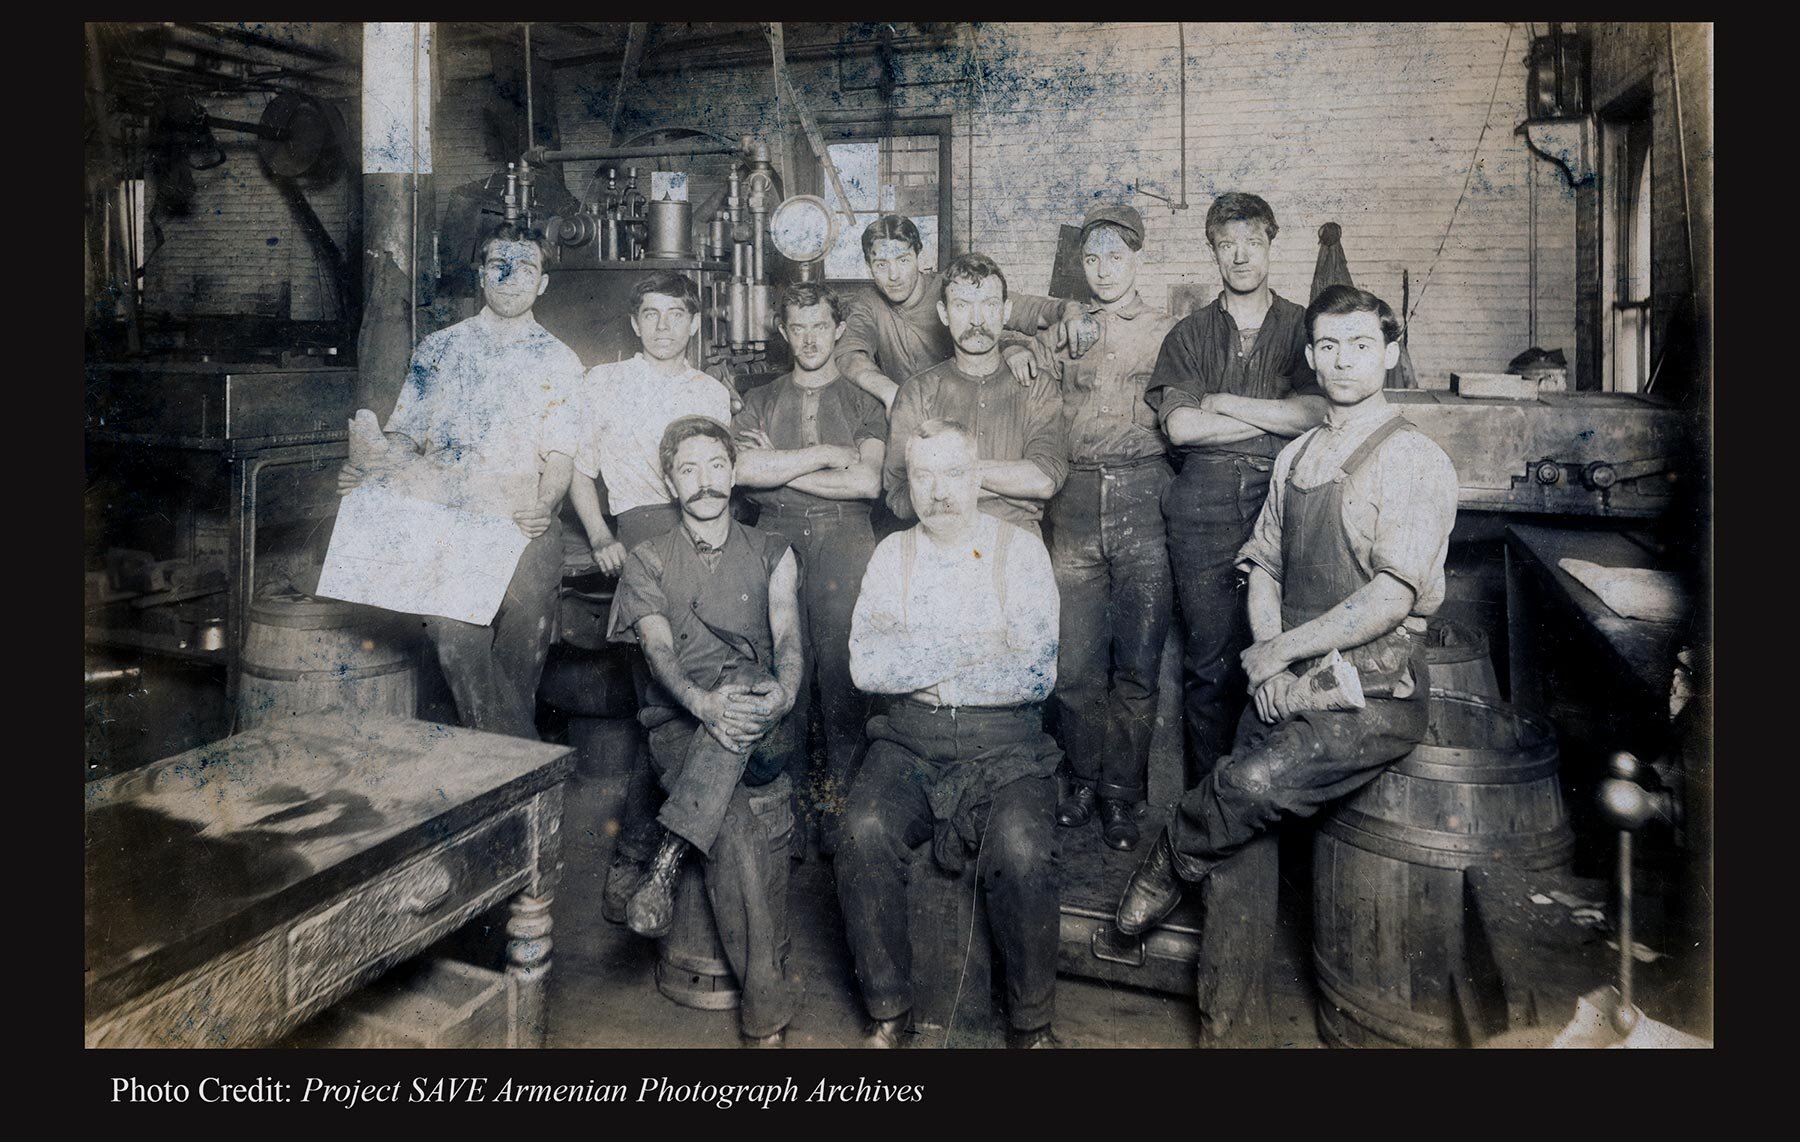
[[1018, 429], [810, 447], [715, 607], [958, 619], [1348, 556], [486, 406], [896, 333], [625, 407]]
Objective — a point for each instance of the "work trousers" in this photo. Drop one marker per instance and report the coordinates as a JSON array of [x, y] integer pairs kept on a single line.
[[1111, 561], [638, 834], [890, 816], [835, 542], [737, 875], [700, 791], [1223, 835], [493, 670], [1210, 510]]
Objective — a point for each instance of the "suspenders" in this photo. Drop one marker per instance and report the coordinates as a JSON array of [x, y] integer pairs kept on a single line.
[[909, 550]]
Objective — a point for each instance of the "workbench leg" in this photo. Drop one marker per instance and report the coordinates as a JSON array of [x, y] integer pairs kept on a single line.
[[1524, 662], [528, 967]]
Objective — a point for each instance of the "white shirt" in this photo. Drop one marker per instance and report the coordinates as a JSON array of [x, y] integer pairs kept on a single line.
[[490, 401], [622, 409], [947, 628]]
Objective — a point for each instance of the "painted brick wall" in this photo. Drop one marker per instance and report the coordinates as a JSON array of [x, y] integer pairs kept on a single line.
[[1371, 126]]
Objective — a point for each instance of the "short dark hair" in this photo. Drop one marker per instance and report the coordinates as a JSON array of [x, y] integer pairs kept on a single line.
[[1237, 206], [801, 295], [1131, 240], [973, 269], [1341, 299], [669, 283], [686, 428], [513, 232], [890, 227]]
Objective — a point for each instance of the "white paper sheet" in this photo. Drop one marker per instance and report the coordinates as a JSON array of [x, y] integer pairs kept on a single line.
[[399, 551]]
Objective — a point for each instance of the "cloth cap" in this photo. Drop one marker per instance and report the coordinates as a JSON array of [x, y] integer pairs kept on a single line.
[[1117, 213]]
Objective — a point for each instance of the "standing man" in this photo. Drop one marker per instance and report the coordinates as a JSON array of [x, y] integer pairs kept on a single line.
[[1107, 541], [1018, 429], [716, 609], [957, 616], [897, 333], [1347, 555], [811, 446], [485, 404], [625, 407], [1224, 388]]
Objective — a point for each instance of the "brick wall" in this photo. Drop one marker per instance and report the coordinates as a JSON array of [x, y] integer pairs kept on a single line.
[[1370, 126]]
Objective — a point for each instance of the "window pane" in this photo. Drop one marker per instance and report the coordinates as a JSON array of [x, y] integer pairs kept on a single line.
[[897, 174], [859, 166]]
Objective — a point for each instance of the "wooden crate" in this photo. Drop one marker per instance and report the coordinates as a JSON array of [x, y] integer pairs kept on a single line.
[[428, 1002]]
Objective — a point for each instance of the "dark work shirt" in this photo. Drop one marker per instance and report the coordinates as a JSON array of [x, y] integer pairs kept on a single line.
[[718, 615], [794, 417], [1010, 421], [903, 340], [1203, 354]]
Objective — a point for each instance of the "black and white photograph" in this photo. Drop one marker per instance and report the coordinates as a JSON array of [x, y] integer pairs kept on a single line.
[[907, 535]]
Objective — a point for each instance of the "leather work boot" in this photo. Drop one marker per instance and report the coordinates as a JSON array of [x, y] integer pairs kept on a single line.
[[1040, 1039], [1153, 892], [623, 876], [1118, 823], [1077, 809], [652, 907], [887, 1034], [765, 1042]]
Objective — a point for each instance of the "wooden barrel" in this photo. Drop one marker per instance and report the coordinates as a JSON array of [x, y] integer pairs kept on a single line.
[[1387, 867], [304, 655], [1460, 661], [691, 967]]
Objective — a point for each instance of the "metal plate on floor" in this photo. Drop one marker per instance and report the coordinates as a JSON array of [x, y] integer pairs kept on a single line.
[[1093, 877]]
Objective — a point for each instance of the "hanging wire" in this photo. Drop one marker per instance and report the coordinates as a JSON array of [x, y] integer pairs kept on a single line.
[[1469, 174]]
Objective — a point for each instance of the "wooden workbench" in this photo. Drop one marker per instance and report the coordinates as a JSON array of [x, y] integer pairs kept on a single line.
[[236, 890]]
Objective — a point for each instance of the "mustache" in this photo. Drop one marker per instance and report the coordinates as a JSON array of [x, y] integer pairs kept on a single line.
[[706, 494]]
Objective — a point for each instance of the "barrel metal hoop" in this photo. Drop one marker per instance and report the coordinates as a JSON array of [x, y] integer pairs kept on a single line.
[[348, 673], [1390, 1021], [1526, 770], [1437, 849]]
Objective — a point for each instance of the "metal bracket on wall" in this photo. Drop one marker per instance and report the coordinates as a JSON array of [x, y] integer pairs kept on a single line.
[[1569, 143]]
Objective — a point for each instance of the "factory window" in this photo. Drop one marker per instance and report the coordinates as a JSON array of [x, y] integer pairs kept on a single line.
[[1625, 249], [889, 168]]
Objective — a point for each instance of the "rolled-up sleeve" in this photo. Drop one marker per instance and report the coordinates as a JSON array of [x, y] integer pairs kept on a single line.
[[1032, 312], [1415, 511], [587, 413], [409, 416], [873, 424], [561, 429], [1176, 380], [1046, 435], [640, 593], [860, 347], [1264, 546]]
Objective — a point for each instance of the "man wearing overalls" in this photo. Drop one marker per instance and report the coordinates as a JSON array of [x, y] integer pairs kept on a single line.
[[1347, 555]]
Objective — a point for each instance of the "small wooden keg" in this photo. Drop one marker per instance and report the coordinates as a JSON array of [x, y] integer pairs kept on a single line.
[[1460, 661], [1388, 867], [305, 656], [691, 967]]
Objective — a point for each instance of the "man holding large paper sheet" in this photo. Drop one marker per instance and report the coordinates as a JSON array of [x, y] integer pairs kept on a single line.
[[482, 433]]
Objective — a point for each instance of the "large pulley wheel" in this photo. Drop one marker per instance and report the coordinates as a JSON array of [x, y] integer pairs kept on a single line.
[[301, 138]]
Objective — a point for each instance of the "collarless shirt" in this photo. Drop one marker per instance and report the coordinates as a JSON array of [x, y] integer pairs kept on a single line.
[[906, 339], [903, 620], [794, 416], [1398, 508], [1105, 414], [624, 407], [1009, 421], [1203, 354], [491, 400]]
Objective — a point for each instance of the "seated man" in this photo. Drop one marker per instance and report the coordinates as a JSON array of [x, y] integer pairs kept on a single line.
[[1347, 555], [715, 606], [959, 616]]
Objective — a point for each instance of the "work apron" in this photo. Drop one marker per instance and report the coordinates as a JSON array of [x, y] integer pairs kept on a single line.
[[1319, 569]]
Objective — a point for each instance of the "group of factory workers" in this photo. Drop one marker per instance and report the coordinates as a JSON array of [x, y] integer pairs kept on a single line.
[[1301, 516]]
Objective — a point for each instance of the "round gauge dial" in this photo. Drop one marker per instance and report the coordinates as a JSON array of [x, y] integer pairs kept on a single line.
[[802, 228]]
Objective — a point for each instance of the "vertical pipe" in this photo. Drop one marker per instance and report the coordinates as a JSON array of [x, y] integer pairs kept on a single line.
[[530, 117], [1531, 246]]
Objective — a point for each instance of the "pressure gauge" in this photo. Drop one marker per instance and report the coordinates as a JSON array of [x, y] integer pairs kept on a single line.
[[803, 228]]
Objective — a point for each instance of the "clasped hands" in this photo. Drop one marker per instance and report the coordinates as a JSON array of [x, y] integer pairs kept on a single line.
[[1266, 664], [739, 714]]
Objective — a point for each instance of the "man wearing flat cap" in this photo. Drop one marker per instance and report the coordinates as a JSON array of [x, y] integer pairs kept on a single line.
[[1107, 542]]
